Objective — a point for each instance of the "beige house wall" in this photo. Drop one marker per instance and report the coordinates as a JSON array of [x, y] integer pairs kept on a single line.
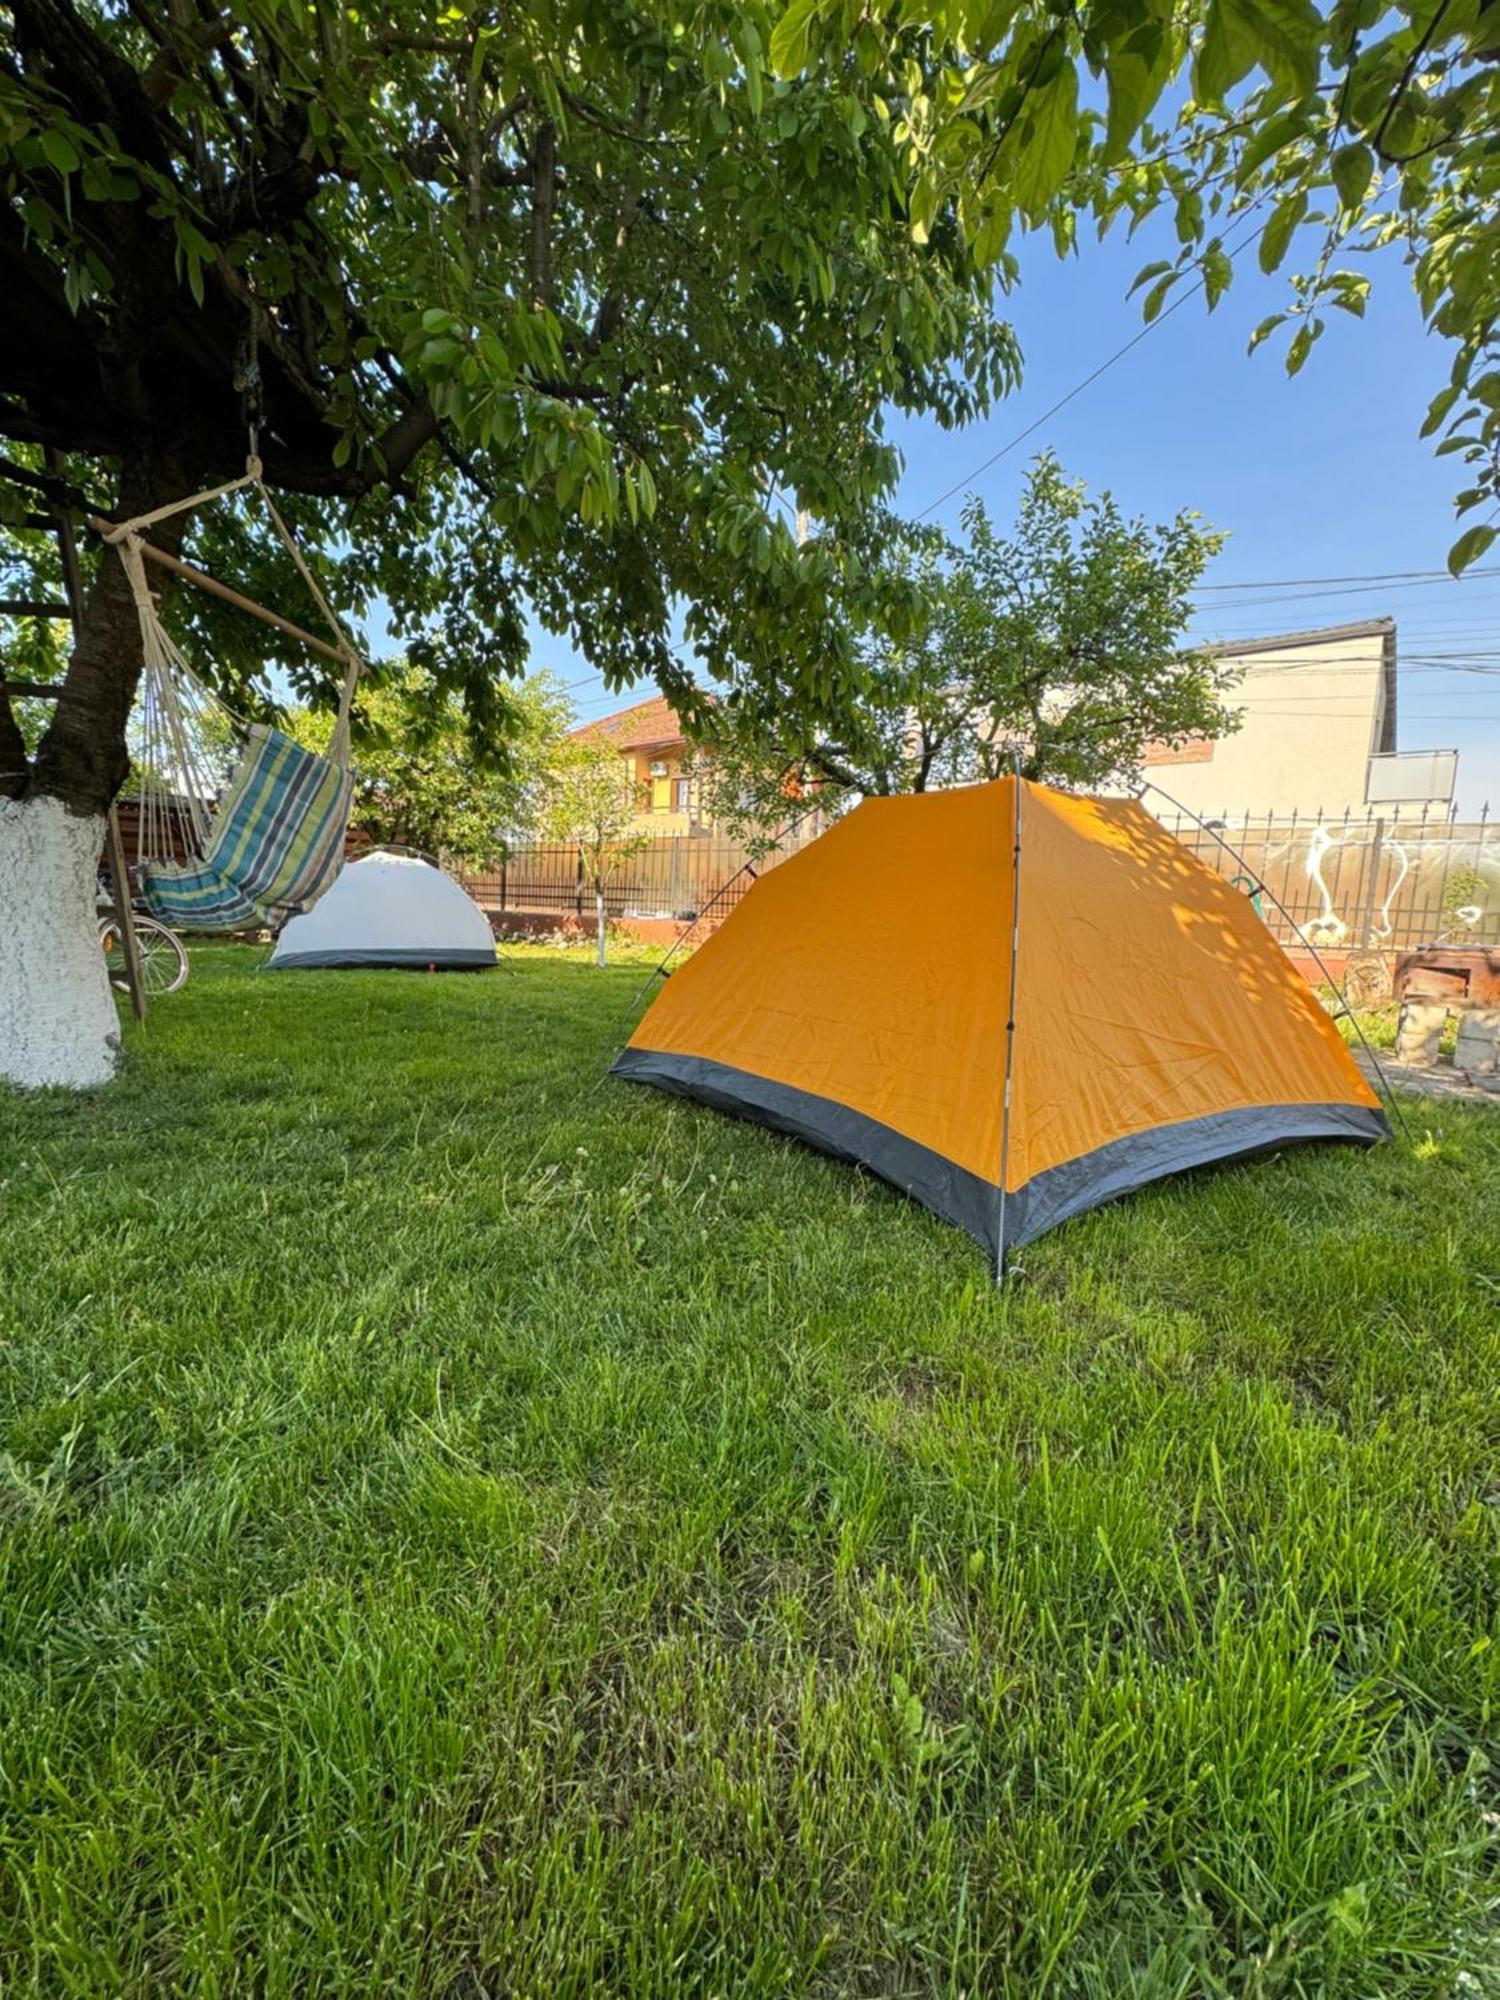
[[1313, 713]]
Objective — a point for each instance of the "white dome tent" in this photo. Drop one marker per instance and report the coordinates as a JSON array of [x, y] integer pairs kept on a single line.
[[389, 910]]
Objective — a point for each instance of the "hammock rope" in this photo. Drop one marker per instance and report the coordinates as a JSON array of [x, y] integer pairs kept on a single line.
[[263, 817]]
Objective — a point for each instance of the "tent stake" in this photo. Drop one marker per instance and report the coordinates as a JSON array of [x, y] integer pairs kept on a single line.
[[1010, 1022]]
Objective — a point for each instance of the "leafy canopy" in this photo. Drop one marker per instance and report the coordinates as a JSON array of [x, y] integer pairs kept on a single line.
[[1059, 646], [1264, 125], [570, 306]]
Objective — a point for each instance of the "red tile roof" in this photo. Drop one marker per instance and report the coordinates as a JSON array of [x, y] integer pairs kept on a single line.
[[647, 725]]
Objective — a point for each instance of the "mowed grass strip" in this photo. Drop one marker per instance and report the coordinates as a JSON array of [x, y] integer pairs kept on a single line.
[[471, 1528]]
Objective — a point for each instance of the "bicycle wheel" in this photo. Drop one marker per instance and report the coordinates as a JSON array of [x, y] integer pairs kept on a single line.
[[164, 959]]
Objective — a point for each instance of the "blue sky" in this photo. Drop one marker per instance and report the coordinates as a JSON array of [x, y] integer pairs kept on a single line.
[[1320, 475]]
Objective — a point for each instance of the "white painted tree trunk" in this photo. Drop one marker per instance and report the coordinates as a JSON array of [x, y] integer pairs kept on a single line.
[[599, 921], [57, 1014]]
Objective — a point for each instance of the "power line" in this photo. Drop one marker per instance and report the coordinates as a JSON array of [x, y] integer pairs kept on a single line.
[[1087, 382], [1379, 576], [1337, 590]]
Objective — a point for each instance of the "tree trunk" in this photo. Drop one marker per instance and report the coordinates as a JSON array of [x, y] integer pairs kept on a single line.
[[82, 759], [599, 920], [57, 1013]]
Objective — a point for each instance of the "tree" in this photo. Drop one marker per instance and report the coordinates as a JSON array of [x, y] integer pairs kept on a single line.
[[1059, 647], [419, 783], [564, 308], [1255, 123], [592, 802]]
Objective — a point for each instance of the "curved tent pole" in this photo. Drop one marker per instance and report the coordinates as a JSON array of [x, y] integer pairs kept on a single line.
[[1150, 785], [659, 971]]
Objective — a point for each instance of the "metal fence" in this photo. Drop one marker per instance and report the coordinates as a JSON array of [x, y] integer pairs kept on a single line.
[[1393, 882]]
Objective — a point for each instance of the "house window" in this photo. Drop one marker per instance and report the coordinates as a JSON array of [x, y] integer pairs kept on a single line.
[[681, 794]]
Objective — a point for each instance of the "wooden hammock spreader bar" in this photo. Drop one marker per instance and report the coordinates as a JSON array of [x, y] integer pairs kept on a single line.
[[212, 584]]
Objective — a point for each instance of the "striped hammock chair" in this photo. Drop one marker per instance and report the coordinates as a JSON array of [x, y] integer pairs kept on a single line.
[[239, 825]]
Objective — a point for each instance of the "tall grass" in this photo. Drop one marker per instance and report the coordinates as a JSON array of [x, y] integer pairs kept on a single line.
[[471, 1528]]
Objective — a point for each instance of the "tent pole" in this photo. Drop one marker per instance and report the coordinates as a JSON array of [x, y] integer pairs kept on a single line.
[[1150, 785], [659, 971], [1010, 1021]]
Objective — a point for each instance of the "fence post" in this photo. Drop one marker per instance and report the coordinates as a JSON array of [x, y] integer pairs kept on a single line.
[[1368, 931]]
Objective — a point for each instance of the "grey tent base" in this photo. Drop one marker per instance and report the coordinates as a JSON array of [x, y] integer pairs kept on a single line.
[[969, 1200], [442, 960]]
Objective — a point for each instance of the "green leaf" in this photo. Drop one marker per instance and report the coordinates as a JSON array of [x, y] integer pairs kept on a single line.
[[1157, 296], [923, 207], [1350, 294], [1282, 37], [1279, 231], [1352, 168], [1301, 346], [1217, 271], [1148, 272], [1469, 547], [1288, 40], [790, 37], [1267, 140], [992, 235], [1438, 408], [1225, 53], [1189, 217], [1047, 150], [1134, 86], [1264, 331], [60, 151]]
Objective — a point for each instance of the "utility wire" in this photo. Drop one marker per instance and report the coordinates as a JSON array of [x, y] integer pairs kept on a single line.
[[1087, 382], [1379, 576]]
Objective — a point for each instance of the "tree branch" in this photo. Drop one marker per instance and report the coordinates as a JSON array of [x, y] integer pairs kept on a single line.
[[15, 765], [60, 491], [543, 193], [175, 61], [1378, 135]]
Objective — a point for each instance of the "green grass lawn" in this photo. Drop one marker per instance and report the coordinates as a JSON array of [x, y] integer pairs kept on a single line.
[[471, 1528]]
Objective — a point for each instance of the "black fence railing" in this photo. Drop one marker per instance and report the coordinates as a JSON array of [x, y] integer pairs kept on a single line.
[[1392, 882]]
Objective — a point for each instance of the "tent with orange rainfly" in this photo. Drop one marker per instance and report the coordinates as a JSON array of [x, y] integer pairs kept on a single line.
[[1010, 1002]]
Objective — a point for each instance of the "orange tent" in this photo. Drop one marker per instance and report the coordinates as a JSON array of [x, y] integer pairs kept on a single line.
[[862, 996]]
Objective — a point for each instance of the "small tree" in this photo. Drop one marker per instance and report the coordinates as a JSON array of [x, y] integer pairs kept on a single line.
[[1059, 647], [593, 801]]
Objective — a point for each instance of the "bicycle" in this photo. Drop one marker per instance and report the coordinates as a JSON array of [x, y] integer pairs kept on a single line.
[[163, 955]]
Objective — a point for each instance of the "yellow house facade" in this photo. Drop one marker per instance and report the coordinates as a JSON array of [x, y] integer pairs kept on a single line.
[[649, 738]]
